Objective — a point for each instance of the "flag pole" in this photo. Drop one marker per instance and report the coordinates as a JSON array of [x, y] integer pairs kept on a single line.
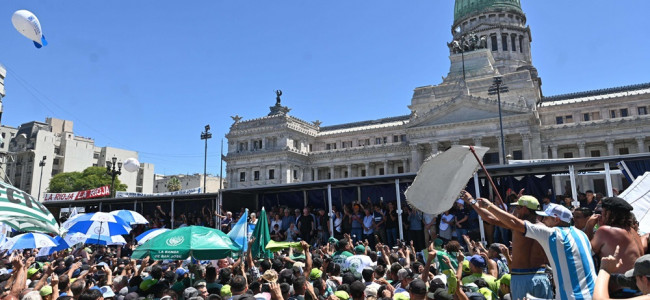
[[471, 148]]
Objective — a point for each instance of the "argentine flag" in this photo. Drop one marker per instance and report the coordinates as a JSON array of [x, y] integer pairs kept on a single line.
[[240, 232]]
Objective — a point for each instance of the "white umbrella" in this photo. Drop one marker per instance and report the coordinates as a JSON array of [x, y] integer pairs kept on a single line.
[[441, 178], [131, 217]]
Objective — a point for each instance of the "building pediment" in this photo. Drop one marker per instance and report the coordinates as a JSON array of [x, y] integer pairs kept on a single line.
[[464, 108]]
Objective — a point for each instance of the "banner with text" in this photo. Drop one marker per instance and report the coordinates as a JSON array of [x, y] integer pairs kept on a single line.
[[181, 192], [87, 194]]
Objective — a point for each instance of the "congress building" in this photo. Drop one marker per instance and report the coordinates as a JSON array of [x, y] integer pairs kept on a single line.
[[489, 38]]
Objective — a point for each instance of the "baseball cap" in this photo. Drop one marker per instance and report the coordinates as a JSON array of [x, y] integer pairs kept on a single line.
[[505, 279], [360, 249], [477, 261], [616, 203], [332, 240], [46, 290], [315, 274], [527, 201], [181, 272], [370, 291], [225, 291], [641, 267], [418, 287], [554, 210], [466, 267], [190, 292], [343, 295], [404, 273]]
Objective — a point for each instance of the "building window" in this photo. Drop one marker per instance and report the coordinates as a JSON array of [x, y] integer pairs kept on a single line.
[[493, 41], [96, 155], [624, 112], [368, 142], [513, 42], [395, 138], [242, 146], [272, 174], [311, 148], [385, 140], [57, 150], [242, 176], [381, 171], [256, 175], [612, 113], [623, 151], [491, 158], [517, 155], [345, 174], [642, 110], [504, 41], [363, 173], [402, 138], [296, 144], [377, 141], [521, 43], [568, 119], [400, 170], [586, 117], [568, 154], [559, 120], [295, 174], [329, 175], [595, 153]]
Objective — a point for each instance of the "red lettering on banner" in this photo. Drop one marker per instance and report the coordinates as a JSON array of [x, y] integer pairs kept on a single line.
[[87, 194]]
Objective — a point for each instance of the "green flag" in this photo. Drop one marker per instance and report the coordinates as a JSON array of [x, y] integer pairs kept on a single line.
[[262, 237], [22, 212], [200, 242], [277, 246]]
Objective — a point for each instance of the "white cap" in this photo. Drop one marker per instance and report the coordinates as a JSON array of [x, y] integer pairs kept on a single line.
[[554, 210]]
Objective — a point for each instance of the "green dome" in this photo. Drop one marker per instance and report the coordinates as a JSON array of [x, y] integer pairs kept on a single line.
[[465, 8]]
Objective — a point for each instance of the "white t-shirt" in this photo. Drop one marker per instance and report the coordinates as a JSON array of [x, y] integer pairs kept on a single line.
[[448, 218], [428, 218], [358, 262]]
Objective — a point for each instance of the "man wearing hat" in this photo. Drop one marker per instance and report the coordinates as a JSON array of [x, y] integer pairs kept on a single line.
[[567, 249], [476, 265], [357, 262], [617, 229], [640, 273], [528, 259]]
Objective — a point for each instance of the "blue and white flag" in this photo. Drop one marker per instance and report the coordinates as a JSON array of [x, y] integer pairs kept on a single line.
[[240, 232]]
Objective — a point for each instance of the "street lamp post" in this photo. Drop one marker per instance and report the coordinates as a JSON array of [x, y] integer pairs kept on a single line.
[[205, 135], [110, 170], [498, 88], [41, 164]]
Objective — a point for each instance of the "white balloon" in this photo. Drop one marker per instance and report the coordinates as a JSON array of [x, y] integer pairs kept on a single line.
[[28, 25], [131, 165]]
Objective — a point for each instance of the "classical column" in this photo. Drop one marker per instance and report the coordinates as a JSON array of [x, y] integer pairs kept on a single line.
[[434, 147], [545, 151], [640, 141], [367, 167], [385, 167], [554, 151], [404, 161], [415, 158], [581, 149], [477, 141], [525, 138], [315, 173], [500, 149], [610, 146], [349, 170], [331, 172]]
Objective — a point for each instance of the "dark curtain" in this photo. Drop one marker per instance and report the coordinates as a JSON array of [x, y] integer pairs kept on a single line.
[[636, 167], [317, 199]]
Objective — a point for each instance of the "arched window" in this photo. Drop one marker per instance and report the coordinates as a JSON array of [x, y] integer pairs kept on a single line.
[[504, 41], [521, 43], [513, 42]]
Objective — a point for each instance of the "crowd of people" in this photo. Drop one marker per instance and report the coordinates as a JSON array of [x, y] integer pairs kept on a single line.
[[535, 250]]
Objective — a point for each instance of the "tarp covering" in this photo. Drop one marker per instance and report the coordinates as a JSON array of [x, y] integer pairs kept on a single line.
[[638, 195], [441, 178]]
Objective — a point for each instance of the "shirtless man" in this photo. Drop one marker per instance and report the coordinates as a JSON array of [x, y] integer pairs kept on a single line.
[[528, 256], [617, 229]]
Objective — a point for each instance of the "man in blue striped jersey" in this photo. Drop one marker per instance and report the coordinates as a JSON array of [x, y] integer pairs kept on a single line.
[[568, 249]]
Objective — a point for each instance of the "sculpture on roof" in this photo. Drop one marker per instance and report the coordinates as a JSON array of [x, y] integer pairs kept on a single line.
[[236, 118], [278, 93], [467, 43]]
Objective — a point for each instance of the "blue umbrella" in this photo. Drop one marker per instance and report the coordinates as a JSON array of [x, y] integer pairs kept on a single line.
[[62, 245], [131, 217], [149, 234], [29, 241], [100, 224]]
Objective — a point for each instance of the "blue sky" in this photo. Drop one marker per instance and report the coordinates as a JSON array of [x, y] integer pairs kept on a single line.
[[149, 75]]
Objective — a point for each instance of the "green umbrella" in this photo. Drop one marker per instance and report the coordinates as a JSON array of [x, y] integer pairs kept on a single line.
[[262, 237], [200, 242], [22, 212]]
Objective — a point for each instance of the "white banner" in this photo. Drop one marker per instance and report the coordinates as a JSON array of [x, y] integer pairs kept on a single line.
[[181, 192], [87, 194]]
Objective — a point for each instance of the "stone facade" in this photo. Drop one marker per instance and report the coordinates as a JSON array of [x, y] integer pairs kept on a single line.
[[188, 182], [280, 148]]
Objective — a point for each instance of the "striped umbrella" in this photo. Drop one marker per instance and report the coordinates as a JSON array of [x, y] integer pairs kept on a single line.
[[69, 222], [99, 224], [62, 245], [21, 207], [80, 238], [131, 217], [29, 241], [149, 234]]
